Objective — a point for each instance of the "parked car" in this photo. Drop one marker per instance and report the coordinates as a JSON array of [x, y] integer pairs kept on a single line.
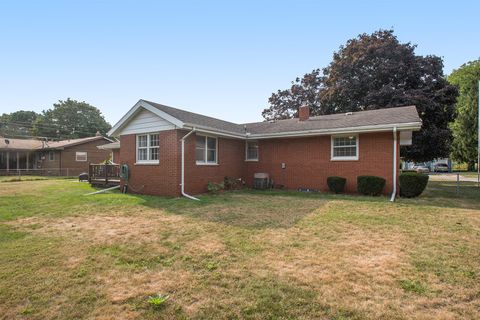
[[421, 168], [441, 167]]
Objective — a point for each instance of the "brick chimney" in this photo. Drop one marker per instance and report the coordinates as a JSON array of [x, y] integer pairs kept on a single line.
[[303, 113]]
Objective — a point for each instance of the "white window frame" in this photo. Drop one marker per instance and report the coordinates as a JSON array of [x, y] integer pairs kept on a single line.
[[246, 150], [148, 148], [51, 156], [81, 153], [349, 158], [206, 162]]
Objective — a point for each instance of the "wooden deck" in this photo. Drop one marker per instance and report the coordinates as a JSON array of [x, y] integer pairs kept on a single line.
[[104, 175]]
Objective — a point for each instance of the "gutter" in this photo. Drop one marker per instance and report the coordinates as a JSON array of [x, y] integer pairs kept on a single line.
[[182, 184], [394, 193]]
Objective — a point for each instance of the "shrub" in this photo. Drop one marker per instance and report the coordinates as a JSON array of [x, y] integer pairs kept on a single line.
[[215, 188], [336, 184], [370, 185], [412, 184], [231, 183]]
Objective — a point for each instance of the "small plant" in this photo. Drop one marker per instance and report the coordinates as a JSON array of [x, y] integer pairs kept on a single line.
[[215, 188], [158, 300], [412, 286], [211, 265], [336, 184], [370, 185], [412, 184]]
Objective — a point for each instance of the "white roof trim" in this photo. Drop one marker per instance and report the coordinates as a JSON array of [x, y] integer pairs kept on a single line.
[[133, 111]]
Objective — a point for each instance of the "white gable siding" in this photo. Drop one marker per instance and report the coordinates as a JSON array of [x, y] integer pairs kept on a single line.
[[145, 121]]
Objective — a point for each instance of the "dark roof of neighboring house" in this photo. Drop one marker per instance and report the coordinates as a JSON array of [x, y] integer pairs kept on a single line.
[[387, 116], [34, 144]]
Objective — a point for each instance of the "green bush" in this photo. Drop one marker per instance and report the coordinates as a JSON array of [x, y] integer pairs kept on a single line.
[[215, 188], [336, 184], [370, 185], [412, 184]]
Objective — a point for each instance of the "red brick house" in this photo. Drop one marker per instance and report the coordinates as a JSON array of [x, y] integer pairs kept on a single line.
[[173, 152], [65, 157]]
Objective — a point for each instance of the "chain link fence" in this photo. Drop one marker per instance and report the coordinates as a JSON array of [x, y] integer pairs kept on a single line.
[[456, 182], [54, 172]]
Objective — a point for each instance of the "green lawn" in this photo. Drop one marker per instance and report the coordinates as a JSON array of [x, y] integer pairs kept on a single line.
[[241, 255]]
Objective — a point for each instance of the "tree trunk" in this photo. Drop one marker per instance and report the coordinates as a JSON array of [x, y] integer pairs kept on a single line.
[[471, 166]]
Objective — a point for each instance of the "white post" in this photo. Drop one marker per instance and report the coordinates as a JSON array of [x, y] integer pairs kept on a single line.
[[182, 184], [8, 161], [26, 165], [394, 191], [478, 138]]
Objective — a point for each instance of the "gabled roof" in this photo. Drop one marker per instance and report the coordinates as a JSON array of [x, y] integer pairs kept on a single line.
[[191, 118], [34, 144], [404, 118]]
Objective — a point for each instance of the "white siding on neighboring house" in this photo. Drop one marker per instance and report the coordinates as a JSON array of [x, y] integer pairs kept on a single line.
[[145, 121]]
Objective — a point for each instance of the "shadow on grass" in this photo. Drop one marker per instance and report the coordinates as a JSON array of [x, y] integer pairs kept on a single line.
[[446, 194], [251, 209]]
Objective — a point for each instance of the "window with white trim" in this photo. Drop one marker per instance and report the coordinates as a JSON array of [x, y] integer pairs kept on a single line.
[[345, 147], [148, 146], [206, 150], [80, 156], [51, 156], [251, 151]]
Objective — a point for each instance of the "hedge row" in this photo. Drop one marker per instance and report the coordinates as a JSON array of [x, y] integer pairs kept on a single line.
[[412, 184]]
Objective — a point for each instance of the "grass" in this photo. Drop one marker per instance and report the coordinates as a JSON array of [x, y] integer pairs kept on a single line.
[[240, 255]]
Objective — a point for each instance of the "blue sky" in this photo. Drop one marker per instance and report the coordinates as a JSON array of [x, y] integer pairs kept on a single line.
[[219, 58]]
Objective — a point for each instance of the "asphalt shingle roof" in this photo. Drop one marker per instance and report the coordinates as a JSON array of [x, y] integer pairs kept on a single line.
[[33, 144], [388, 116]]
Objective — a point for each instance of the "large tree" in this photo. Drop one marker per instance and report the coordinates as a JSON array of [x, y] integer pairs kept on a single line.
[[71, 119], [376, 71], [18, 123], [465, 127]]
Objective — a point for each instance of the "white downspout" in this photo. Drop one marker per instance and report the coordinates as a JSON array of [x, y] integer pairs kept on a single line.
[[183, 166], [394, 193]]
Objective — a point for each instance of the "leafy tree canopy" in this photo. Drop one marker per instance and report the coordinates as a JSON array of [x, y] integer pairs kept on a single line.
[[376, 71], [71, 119], [465, 126], [18, 123]]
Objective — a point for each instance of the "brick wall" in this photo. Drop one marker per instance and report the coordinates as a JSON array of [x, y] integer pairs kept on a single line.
[[231, 153], [156, 179], [308, 161]]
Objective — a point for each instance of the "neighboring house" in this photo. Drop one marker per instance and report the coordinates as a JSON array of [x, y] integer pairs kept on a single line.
[[66, 157], [169, 149]]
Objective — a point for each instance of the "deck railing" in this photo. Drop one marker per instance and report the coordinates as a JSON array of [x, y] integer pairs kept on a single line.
[[104, 173]]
